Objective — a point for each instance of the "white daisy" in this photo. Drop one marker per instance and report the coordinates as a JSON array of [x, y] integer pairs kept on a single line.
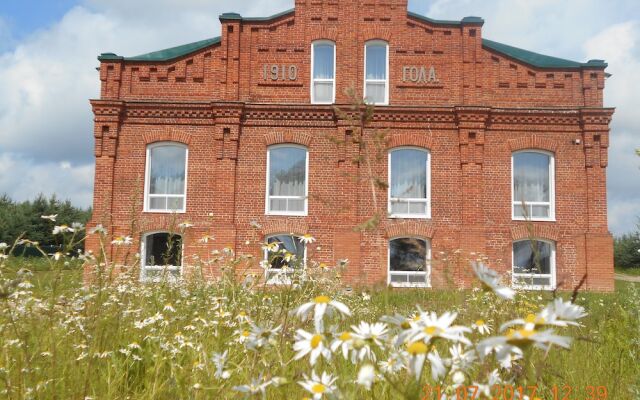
[[394, 363], [261, 337], [366, 376], [319, 386], [306, 238], [491, 280], [313, 343], [58, 229], [428, 326], [99, 229], [365, 336], [122, 240], [343, 341], [257, 386], [185, 225], [51, 217], [417, 355], [320, 305], [219, 360], [482, 327]]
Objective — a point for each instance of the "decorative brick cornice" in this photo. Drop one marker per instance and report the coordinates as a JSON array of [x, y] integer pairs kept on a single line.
[[533, 142], [422, 228], [596, 116], [169, 110], [284, 225], [399, 139], [167, 135], [290, 112], [107, 110], [533, 230], [300, 138]]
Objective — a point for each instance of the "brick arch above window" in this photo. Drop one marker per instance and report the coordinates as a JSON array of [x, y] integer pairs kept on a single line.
[[284, 226], [409, 139], [166, 136], [325, 33], [537, 231], [303, 139], [159, 223], [409, 228], [533, 142], [376, 32]]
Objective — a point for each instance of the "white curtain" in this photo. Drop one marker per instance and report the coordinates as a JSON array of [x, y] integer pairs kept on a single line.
[[323, 61], [287, 171], [376, 61], [531, 177], [409, 174], [167, 170]]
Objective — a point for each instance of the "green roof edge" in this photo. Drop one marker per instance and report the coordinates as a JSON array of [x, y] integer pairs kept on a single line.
[[539, 60], [166, 54]]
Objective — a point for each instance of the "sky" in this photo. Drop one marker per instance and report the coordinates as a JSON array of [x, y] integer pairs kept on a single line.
[[48, 52]]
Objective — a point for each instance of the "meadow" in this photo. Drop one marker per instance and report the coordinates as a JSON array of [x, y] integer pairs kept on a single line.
[[232, 338]]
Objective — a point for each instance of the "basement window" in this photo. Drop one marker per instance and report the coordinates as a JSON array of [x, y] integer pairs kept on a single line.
[[286, 255], [534, 264], [162, 257], [409, 264]]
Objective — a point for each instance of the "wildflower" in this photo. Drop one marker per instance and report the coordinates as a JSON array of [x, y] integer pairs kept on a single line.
[[366, 376], [461, 360], [242, 335], [394, 363], [3, 246], [77, 226], [56, 256], [516, 339], [51, 217], [98, 229], [366, 335], [122, 240], [458, 378], [319, 386], [482, 327], [343, 262], [27, 242], [343, 341], [254, 224], [205, 239], [417, 354], [272, 247], [261, 337], [169, 307], [257, 385], [310, 343], [306, 238], [428, 326], [557, 313], [320, 305], [438, 370], [491, 281], [219, 359], [185, 225], [265, 264], [58, 229]]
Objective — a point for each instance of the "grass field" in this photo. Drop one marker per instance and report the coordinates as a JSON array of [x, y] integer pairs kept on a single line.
[[628, 271], [127, 340]]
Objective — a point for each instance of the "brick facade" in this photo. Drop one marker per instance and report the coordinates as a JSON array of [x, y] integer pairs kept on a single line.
[[485, 105]]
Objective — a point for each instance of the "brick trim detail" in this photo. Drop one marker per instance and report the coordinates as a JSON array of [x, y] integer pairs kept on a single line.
[[533, 142], [376, 33], [399, 140], [272, 227], [288, 137], [409, 228], [325, 34], [159, 222], [525, 231], [166, 136]]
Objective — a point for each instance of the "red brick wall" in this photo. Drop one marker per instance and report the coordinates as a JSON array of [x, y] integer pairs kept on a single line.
[[484, 107]]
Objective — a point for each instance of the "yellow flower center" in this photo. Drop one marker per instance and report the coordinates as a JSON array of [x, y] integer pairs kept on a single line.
[[479, 322], [405, 325], [345, 336], [523, 335], [245, 333], [533, 319], [417, 348], [322, 300], [242, 314], [315, 341], [432, 330], [318, 388]]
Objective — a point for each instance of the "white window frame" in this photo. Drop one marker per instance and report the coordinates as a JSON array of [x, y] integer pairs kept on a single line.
[[167, 268], [306, 184], [276, 271], [426, 273], [529, 204], [147, 179], [390, 199], [314, 80], [386, 80], [551, 275]]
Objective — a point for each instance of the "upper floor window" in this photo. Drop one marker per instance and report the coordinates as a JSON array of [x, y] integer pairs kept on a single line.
[[534, 264], [323, 65], [409, 183], [533, 185], [284, 254], [166, 177], [376, 64], [161, 256], [409, 262], [287, 171]]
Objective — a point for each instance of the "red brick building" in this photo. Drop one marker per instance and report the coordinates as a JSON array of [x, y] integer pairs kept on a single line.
[[487, 147]]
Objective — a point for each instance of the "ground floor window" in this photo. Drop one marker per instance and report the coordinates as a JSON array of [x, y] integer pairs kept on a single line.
[[161, 256], [409, 262], [534, 264], [284, 254]]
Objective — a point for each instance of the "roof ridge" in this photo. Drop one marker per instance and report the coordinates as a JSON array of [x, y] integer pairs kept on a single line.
[[165, 54]]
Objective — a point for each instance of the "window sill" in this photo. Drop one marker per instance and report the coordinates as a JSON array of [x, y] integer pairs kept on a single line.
[[284, 214], [409, 216], [534, 287], [533, 219], [410, 285], [165, 211]]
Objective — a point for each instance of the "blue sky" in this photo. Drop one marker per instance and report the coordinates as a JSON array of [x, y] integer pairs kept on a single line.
[[48, 54]]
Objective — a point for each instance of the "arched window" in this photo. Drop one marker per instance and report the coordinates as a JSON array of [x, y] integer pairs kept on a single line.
[[409, 183], [376, 75], [533, 188], [166, 177], [534, 264], [161, 256], [287, 171], [409, 262], [283, 255], [323, 67]]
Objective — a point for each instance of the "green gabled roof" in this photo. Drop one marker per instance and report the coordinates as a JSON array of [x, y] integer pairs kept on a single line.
[[539, 60], [166, 54], [237, 16], [465, 20]]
